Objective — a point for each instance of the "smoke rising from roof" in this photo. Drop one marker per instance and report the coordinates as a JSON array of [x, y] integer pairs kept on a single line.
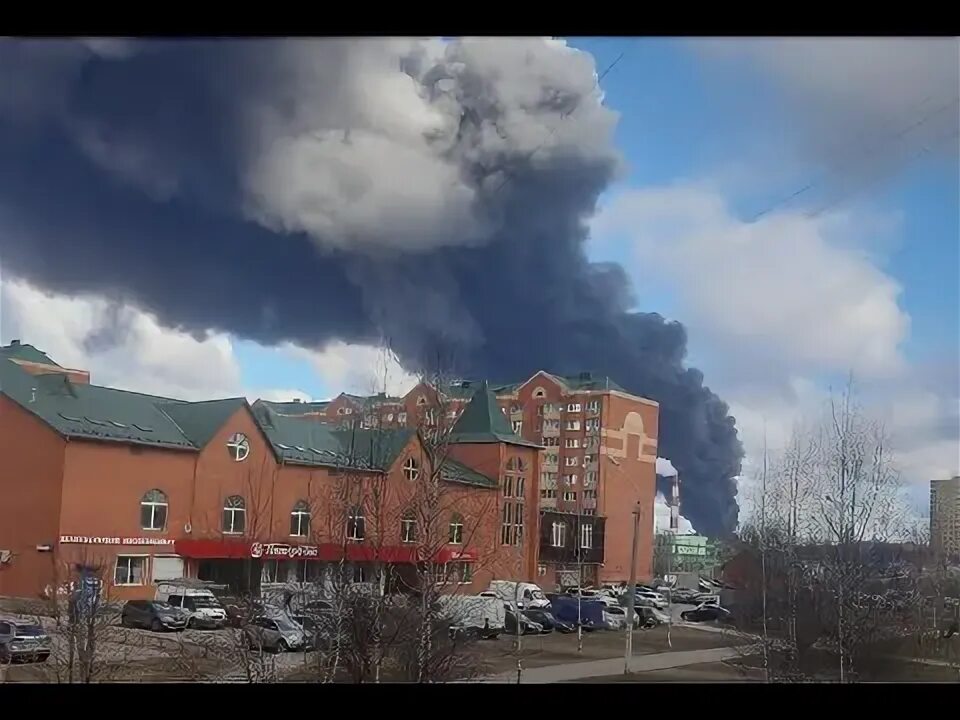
[[436, 194]]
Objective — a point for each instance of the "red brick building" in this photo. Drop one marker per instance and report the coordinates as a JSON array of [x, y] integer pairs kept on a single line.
[[598, 461], [144, 488]]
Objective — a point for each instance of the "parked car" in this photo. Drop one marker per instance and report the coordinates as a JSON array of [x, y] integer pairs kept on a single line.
[[594, 595], [526, 594], [201, 605], [650, 617], [275, 634], [527, 626], [707, 613], [476, 615], [24, 642], [154, 615], [614, 589], [654, 599], [615, 618], [549, 620], [587, 612], [318, 634], [684, 595]]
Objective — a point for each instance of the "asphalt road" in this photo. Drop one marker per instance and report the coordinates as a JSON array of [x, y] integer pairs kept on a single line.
[[614, 666]]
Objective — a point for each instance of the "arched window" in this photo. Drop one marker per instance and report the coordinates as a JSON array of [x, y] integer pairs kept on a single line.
[[239, 447], [300, 519], [421, 400], [356, 525], [539, 393], [153, 511], [411, 469], [408, 527], [456, 529], [234, 515]]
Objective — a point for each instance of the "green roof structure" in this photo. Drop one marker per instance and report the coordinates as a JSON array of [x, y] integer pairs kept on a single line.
[[295, 408], [482, 421], [200, 421], [25, 352], [456, 472]]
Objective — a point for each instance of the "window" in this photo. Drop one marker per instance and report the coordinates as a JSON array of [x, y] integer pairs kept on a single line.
[[408, 527], [572, 443], [551, 442], [401, 417], [517, 426], [593, 406], [548, 477], [411, 469], [570, 478], [356, 525], [515, 408], [589, 494], [592, 424], [573, 407], [239, 447], [300, 519], [519, 487], [551, 424], [456, 529], [131, 570], [548, 494], [587, 459], [586, 537], [359, 574], [516, 464], [431, 416], [550, 407], [571, 461], [592, 442], [348, 411], [508, 486], [463, 572], [569, 496], [539, 393], [340, 411], [511, 527], [421, 401], [590, 511], [234, 515], [558, 534], [153, 511], [550, 458], [573, 424], [389, 417]]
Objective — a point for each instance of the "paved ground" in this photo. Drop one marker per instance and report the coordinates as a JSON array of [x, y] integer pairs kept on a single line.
[[615, 666]]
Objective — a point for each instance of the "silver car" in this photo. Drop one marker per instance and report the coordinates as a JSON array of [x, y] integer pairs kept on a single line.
[[23, 641], [275, 634]]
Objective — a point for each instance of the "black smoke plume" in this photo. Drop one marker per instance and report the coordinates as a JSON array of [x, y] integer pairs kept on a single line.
[[433, 193]]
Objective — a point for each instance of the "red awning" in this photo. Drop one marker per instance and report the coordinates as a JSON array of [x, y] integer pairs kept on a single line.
[[355, 552]]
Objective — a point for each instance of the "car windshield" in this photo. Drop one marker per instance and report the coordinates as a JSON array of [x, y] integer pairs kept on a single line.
[[28, 630], [285, 624], [163, 606], [306, 622]]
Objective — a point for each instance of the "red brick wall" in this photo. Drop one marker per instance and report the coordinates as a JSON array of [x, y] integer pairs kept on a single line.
[[31, 471]]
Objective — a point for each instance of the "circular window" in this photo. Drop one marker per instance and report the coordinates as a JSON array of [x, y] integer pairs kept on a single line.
[[238, 446]]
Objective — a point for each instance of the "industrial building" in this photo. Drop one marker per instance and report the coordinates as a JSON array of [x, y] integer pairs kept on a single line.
[[945, 517]]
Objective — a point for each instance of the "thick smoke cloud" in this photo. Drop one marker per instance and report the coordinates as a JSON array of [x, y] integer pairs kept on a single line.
[[310, 191]]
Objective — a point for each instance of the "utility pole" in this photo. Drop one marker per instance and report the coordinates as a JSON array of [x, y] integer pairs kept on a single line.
[[632, 591]]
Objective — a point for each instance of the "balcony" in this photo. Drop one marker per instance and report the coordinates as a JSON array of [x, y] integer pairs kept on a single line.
[[548, 503], [551, 411], [550, 462], [551, 431], [589, 503], [592, 411]]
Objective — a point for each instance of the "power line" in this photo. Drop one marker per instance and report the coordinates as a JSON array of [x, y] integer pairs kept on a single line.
[[564, 116], [851, 159]]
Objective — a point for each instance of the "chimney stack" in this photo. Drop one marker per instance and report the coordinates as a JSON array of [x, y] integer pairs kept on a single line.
[[675, 505]]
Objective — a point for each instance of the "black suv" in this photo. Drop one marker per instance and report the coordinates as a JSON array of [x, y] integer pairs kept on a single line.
[[154, 615]]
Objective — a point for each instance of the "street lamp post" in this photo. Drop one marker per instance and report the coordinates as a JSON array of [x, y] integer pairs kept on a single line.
[[632, 591]]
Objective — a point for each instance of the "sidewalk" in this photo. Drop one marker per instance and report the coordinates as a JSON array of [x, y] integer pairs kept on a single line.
[[614, 666]]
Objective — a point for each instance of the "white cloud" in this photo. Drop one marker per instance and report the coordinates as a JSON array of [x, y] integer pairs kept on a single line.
[[123, 347], [784, 292], [360, 369]]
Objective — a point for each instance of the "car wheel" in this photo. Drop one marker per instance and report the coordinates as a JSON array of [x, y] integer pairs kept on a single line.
[[192, 623], [156, 626]]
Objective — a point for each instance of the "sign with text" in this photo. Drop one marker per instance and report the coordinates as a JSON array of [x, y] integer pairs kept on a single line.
[[282, 550], [97, 540]]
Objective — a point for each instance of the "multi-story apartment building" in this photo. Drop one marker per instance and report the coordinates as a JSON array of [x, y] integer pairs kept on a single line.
[[945, 517], [142, 488], [598, 459]]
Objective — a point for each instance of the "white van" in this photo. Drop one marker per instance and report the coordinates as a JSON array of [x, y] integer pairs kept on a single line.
[[528, 595], [483, 615], [200, 604]]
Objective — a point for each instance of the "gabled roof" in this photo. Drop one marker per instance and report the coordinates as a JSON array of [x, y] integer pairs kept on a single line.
[[200, 421], [373, 449], [26, 352], [482, 421]]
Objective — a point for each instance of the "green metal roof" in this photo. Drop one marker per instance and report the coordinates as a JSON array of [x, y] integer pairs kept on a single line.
[[583, 382], [200, 421], [374, 449], [28, 353], [482, 421], [299, 441], [457, 472]]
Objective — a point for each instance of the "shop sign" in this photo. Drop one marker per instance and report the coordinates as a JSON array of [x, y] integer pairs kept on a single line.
[[97, 540], [282, 550]]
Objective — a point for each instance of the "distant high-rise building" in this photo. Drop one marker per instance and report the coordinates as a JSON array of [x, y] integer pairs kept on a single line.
[[945, 516]]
